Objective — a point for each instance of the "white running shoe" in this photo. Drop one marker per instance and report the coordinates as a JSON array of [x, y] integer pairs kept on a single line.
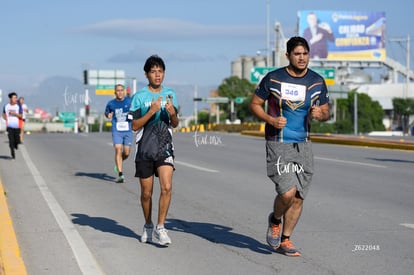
[[160, 234], [147, 233], [120, 179]]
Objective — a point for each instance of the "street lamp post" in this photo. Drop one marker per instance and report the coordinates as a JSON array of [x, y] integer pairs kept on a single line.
[[408, 67], [405, 94], [267, 33], [356, 113]]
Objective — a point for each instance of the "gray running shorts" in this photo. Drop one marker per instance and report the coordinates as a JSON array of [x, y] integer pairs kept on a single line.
[[290, 165]]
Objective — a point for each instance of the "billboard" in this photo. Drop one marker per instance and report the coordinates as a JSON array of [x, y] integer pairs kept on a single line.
[[344, 35]]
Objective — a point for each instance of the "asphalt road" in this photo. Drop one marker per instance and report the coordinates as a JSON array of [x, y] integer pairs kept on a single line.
[[71, 218]]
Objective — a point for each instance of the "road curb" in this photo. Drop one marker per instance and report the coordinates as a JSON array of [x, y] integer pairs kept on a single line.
[[11, 261]]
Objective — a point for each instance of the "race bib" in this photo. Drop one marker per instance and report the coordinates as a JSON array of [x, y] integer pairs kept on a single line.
[[122, 126], [293, 92]]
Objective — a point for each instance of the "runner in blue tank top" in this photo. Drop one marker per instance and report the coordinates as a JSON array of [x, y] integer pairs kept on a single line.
[[117, 110], [295, 96]]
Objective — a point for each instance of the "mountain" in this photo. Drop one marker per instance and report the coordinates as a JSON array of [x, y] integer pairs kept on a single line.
[[66, 94]]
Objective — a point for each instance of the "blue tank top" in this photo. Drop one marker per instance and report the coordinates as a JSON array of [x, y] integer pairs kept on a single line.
[[120, 111]]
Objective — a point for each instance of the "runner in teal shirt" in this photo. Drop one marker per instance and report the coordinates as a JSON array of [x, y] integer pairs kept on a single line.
[[154, 113]]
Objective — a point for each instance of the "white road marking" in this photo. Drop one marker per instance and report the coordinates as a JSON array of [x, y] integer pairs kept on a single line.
[[196, 167], [191, 165], [352, 162], [85, 259], [409, 225]]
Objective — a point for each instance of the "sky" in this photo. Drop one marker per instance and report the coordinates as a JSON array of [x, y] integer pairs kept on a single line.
[[198, 40]]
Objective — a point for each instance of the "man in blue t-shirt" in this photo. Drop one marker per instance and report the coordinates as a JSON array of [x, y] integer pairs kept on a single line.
[[295, 96], [117, 109], [154, 109]]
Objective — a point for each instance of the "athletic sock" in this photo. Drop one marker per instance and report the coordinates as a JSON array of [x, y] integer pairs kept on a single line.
[[275, 221], [284, 237]]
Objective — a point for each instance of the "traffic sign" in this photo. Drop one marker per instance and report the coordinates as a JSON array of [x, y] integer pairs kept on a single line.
[[104, 80], [105, 89], [239, 99], [68, 119], [214, 99], [106, 77], [217, 99], [67, 116], [327, 73], [257, 73]]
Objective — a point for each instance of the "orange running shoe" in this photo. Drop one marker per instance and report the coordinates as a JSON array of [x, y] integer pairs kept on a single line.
[[287, 248], [273, 234]]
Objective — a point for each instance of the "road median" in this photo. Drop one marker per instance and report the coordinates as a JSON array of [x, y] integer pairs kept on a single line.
[[400, 143]]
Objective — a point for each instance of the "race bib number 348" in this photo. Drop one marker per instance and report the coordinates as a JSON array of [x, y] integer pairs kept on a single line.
[[293, 92]]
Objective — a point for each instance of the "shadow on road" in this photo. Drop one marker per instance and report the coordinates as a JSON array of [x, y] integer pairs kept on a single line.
[[104, 225], [392, 160], [216, 233], [100, 176], [5, 157]]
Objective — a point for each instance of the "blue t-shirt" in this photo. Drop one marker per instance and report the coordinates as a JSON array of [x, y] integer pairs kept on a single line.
[[141, 102], [291, 97], [120, 110]]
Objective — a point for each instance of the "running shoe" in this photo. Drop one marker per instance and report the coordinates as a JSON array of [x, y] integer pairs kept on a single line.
[[146, 235], [160, 234], [287, 248], [273, 234], [116, 170], [120, 179]]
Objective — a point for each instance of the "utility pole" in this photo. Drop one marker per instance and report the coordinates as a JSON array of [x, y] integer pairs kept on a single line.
[[267, 33], [195, 105], [408, 67], [356, 113], [278, 35], [405, 94]]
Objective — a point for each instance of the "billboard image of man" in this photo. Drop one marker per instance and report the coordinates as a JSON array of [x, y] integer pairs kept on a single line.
[[317, 34], [344, 35]]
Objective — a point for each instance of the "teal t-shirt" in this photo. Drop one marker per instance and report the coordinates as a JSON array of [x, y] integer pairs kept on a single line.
[[141, 102]]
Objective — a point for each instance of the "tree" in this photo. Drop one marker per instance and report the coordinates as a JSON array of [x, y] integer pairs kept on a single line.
[[403, 108], [233, 87], [203, 117], [370, 114]]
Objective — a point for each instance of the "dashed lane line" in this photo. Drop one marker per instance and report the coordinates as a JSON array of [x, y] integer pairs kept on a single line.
[[352, 162], [196, 167], [409, 225]]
